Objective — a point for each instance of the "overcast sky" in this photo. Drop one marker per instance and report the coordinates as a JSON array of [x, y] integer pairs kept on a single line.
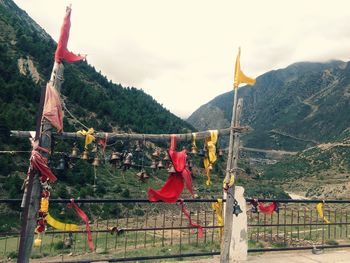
[[182, 52]]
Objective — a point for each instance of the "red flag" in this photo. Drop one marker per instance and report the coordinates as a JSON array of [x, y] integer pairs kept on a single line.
[[62, 51], [52, 107], [268, 209], [85, 218]]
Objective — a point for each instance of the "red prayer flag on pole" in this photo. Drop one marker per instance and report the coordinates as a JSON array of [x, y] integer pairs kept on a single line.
[[62, 52]]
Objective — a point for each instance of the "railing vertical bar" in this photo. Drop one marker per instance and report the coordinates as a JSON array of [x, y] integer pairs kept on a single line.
[[189, 230], [154, 231], [264, 227], [197, 223], [341, 223], [75, 242], [291, 227], [329, 226], [136, 232], [180, 234], [116, 235], [304, 227], [96, 236], [126, 233], [213, 223], [271, 228], [346, 221], [310, 229], [335, 226], [5, 249], [257, 230], [145, 238], [205, 225], [317, 235], [163, 229], [106, 242], [284, 224], [278, 223], [298, 221], [172, 230]]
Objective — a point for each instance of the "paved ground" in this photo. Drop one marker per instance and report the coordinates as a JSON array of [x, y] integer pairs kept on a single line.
[[328, 256]]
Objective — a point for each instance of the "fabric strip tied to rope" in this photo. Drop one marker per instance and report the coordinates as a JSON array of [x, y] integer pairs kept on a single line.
[[174, 185], [210, 143]]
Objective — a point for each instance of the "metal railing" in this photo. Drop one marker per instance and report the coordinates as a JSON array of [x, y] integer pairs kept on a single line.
[[134, 229]]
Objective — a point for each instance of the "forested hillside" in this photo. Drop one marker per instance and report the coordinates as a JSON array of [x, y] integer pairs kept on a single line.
[[26, 60]]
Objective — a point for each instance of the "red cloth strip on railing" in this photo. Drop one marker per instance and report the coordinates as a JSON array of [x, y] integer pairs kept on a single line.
[[187, 214], [85, 218], [268, 209]]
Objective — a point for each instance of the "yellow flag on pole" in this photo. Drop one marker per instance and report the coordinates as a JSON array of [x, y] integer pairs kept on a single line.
[[239, 75]]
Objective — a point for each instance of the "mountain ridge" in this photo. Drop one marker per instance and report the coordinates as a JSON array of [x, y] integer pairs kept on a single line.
[[286, 100]]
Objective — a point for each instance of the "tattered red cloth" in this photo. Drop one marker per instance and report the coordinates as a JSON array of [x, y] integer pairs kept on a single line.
[[178, 160], [62, 52], [170, 191], [174, 185], [52, 107], [187, 214], [39, 163], [85, 218], [268, 209]]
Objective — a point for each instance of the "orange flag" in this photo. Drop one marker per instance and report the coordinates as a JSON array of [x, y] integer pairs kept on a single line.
[[239, 75]]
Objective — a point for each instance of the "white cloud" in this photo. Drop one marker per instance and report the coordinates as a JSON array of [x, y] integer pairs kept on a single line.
[[182, 52]]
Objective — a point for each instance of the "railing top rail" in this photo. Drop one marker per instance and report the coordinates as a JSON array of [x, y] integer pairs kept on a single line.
[[210, 200]]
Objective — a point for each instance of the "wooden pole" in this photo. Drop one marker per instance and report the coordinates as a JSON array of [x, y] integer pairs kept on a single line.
[[135, 136], [231, 169], [31, 198]]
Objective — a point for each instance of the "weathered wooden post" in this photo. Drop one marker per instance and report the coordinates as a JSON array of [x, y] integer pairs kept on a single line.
[[231, 167], [32, 196]]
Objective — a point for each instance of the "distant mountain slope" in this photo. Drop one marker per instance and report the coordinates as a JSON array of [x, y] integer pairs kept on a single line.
[[291, 109], [26, 60]]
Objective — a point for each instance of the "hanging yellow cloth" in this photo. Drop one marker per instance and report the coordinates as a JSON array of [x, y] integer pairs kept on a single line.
[[89, 136], [217, 206], [210, 143], [232, 181], [59, 225], [319, 208], [240, 77]]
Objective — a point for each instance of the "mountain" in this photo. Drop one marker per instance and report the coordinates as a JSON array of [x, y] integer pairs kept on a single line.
[[293, 108], [26, 60]]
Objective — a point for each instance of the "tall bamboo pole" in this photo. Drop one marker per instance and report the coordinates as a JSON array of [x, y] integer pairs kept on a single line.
[[231, 168], [31, 198]]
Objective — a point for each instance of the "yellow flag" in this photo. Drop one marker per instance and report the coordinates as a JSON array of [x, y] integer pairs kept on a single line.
[[217, 206], [239, 75], [60, 225], [319, 208]]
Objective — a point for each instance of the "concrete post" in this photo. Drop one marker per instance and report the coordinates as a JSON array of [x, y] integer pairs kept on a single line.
[[239, 246]]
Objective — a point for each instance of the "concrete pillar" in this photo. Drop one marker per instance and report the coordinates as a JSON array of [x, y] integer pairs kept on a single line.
[[239, 238]]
